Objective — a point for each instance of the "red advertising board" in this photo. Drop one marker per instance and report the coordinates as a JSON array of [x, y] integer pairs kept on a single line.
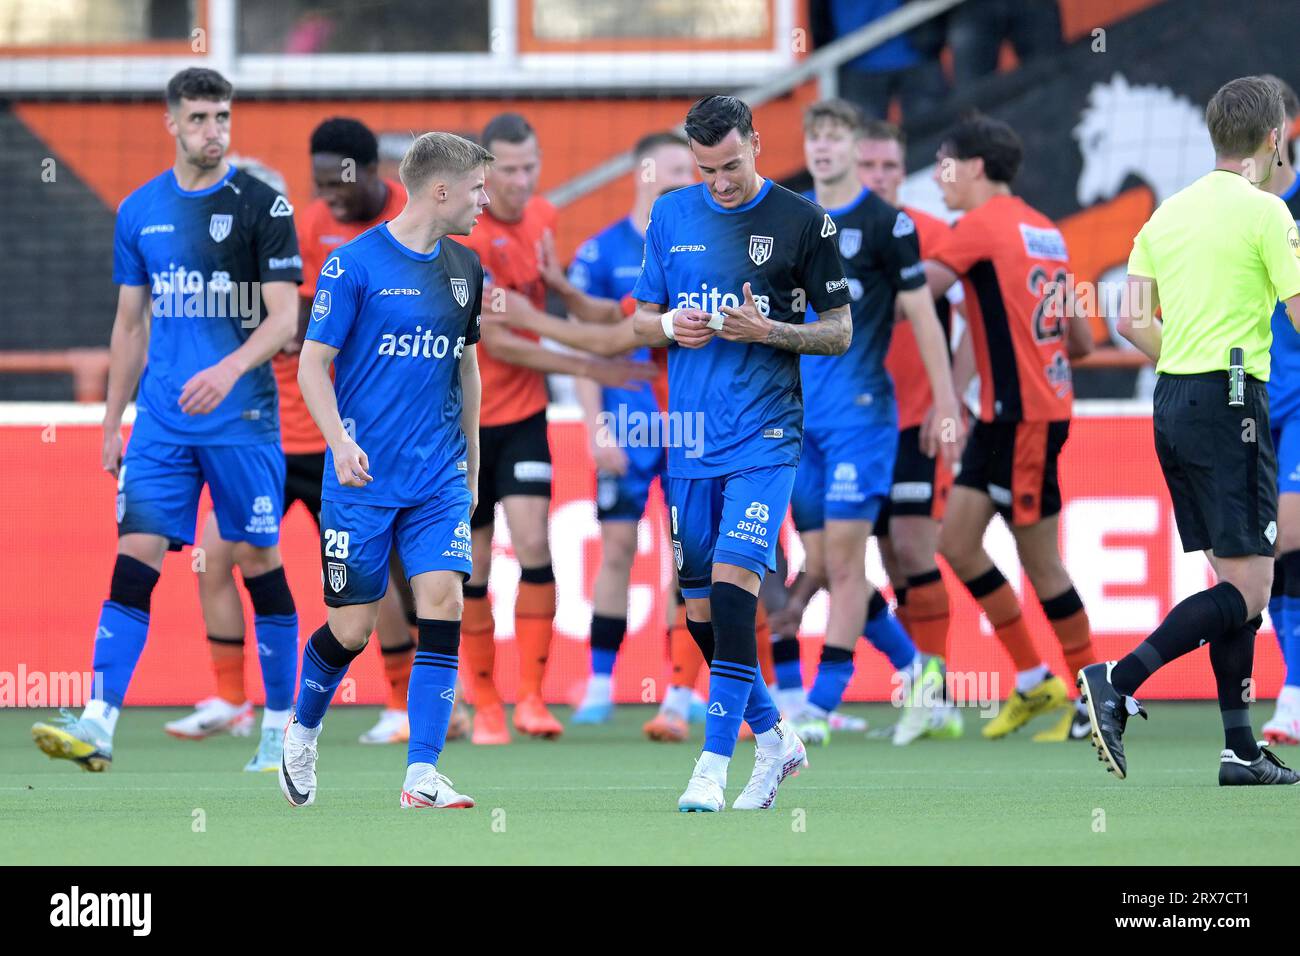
[[1117, 535]]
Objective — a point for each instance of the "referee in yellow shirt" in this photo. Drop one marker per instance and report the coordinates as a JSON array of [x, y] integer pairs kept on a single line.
[[1215, 258]]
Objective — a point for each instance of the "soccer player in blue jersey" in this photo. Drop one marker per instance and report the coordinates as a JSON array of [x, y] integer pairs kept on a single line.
[[1284, 417], [397, 313], [603, 272], [735, 261], [851, 422], [207, 263]]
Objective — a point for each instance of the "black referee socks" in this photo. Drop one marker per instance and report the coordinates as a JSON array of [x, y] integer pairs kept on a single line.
[[1204, 617]]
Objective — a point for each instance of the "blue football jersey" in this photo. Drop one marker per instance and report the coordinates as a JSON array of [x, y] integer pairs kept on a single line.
[[881, 257], [401, 321], [747, 398], [203, 255], [607, 266], [1284, 377]]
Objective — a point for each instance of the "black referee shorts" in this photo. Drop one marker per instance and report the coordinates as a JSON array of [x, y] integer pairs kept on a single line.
[[1219, 464]]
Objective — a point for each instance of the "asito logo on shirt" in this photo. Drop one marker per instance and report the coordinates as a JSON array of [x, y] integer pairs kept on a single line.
[[422, 343]]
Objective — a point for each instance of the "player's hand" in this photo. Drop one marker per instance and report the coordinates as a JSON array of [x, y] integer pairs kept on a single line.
[[786, 620], [746, 323], [943, 432], [617, 373], [609, 458], [111, 457], [548, 262], [691, 329], [351, 466], [206, 389]]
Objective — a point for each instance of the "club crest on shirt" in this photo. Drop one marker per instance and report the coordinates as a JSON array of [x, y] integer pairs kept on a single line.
[[219, 225], [850, 242], [460, 291], [338, 576], [760, 249]]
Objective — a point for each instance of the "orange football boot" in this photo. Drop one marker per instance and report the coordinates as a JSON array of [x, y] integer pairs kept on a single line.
[[667, 727], [490, 725], [532, 718]]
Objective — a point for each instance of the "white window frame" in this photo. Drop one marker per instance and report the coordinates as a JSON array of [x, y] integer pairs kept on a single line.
[[503, 69]]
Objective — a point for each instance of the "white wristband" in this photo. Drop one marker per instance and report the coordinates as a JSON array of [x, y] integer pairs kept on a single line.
[[666, 320]]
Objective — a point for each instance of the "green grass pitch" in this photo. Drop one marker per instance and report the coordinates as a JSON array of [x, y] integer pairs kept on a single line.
[[604, 795]]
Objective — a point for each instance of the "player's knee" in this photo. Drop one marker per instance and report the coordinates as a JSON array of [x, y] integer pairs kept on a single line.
[[352, 626], [843, 570], [270, 593], [444, 598], [254, 561], [531, 546], [133, 583], [910, 554], [961, 556]]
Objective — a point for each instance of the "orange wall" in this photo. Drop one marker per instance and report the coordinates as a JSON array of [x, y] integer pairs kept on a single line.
[[114, 147]]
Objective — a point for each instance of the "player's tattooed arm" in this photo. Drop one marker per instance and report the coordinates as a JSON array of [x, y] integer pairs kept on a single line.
[[471, 388], [127, 350], [831, 334]]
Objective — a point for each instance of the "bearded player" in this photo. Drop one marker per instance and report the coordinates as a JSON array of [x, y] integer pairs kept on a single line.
[[207, 263], [730, 266]]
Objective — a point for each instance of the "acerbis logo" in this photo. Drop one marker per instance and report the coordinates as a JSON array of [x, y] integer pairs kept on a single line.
[[399, 292], [828, 227], [449, 694], [333, 268], [903, 226], [281, 208], [756, 511], [712, 299], [313, 685], [420, 344], [717, 710], [688, 248]]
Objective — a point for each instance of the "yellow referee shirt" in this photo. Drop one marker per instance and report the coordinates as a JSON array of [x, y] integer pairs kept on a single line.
[[1222, 253]]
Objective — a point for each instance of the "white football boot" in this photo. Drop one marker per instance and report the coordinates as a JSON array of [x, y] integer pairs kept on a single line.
[[298, 765], [426, 789], [212, 715], [771, 766]]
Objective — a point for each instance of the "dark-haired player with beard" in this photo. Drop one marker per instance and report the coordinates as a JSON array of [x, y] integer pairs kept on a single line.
[[207, 263], [730, 268], [599, 280]]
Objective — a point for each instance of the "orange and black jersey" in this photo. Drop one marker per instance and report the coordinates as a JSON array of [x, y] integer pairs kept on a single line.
[[1010, 257]]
